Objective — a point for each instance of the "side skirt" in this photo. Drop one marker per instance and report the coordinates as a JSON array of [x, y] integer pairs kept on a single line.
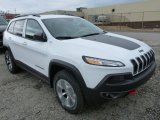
[[32, 71]]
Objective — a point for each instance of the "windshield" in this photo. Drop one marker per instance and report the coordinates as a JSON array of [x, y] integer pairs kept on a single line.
[[68, 28], [3, 21]]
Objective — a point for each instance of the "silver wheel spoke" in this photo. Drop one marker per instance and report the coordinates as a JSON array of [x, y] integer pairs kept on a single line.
[[59, 85], [62, 100], [71, 94], [63, 84], [67, 102], [59, 90]]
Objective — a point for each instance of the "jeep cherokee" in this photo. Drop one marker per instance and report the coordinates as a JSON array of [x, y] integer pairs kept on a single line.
[[83, 63]]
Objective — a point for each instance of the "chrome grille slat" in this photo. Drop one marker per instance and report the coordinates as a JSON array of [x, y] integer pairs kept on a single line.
[[139, 64], [149, 58], [150, 54], [145, 62], [142, 62], [135, 66]]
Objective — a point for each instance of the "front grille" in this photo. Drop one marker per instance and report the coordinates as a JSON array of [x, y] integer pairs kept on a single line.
[[142, 62]]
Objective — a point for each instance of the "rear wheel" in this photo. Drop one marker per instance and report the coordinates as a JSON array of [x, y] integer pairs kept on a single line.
[[12, 67], [68, 92]]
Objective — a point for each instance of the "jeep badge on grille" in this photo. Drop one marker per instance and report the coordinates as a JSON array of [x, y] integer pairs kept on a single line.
[[141, 51]]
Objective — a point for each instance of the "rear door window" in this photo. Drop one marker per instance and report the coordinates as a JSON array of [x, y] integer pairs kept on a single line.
[[18, 27]]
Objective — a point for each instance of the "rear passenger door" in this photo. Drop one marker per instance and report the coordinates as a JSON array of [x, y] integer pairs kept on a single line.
[[35, 48], [16, 38]]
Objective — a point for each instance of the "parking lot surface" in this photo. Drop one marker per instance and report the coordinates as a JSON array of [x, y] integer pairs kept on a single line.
[[25, 97]]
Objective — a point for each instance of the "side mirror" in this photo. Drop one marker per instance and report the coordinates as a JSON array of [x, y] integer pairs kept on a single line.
[[40, 37]]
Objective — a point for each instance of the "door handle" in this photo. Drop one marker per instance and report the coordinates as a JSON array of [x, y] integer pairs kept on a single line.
[[24, 43]]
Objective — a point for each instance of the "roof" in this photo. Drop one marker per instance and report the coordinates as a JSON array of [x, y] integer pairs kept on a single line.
[[43, 16], [56, 16]]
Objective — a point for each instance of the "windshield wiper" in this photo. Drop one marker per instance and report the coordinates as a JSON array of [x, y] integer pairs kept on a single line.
[[70, 37], [93, 34], [65, 37]]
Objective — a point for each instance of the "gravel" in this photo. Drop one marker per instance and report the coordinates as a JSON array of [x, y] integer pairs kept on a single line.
[[25, 97]]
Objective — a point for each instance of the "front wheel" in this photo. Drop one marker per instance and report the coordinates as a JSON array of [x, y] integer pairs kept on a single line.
[[68, 92]]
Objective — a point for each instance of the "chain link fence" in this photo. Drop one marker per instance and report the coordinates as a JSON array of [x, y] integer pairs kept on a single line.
[[132, 21]]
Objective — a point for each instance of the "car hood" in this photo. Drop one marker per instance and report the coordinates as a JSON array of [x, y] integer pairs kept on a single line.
[[114, 41], [106, 45], [3, 28]]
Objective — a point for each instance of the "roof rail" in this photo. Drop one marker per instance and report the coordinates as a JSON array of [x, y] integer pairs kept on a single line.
[[36, 15]]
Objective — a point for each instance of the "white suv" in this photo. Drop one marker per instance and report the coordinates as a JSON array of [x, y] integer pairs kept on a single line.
[[80, 61]]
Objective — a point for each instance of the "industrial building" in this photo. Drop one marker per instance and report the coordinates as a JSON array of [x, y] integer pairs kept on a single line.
[[145, 13], [63, 12], [142, 14]]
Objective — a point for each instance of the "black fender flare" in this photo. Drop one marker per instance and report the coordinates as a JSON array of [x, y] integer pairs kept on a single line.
[[71, 68]]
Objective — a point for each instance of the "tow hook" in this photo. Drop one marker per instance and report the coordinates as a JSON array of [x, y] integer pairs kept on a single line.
[[133, 92]]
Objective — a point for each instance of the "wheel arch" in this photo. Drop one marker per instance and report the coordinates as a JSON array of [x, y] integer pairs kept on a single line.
[[57, 65]]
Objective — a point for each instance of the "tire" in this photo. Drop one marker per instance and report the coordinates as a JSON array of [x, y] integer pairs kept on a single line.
[[68, 92], [11, 65]]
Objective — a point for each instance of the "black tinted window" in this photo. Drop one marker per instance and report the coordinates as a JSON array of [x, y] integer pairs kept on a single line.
[[18, 27], [10, 29], [33, 28]]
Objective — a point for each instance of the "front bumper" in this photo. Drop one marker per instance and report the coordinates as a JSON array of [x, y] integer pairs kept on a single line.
[[119, 84], [127, 82]]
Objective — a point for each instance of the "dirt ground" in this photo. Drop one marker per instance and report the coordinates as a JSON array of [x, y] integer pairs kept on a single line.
[[25, 97]]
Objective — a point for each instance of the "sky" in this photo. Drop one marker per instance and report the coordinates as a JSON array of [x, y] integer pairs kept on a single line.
[[39, 6]]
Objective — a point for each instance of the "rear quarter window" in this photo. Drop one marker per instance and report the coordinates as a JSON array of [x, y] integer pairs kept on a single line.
[[11, 27]]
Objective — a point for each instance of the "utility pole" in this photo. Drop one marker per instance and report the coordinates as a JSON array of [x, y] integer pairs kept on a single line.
[[15, 11], [142, 20], [121, 22]]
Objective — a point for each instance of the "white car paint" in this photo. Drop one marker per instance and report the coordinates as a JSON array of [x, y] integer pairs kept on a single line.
[[71, 51]]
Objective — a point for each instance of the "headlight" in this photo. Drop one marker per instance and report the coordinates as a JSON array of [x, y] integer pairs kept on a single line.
[[102, 62]]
